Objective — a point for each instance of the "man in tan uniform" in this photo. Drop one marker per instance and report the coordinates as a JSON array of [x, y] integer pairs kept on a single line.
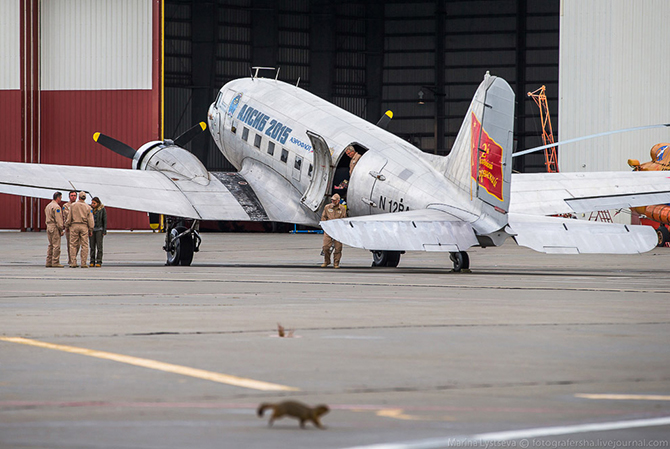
[[332, 211], [80, 222], [353, 154], [66, 213], [54, 219]]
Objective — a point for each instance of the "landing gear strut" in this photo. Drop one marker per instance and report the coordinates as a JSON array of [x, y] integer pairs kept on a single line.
[[386, 258], [181, 241], [461, 261]]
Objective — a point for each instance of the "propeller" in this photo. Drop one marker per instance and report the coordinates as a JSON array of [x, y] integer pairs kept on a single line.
[[126, 150], [116, 146], [385, 120], [531, 150], [188, 135]]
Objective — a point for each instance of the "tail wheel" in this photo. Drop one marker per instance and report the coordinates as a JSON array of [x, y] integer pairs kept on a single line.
[[461, 261], [385, 258], [181, 252], [663, 235]]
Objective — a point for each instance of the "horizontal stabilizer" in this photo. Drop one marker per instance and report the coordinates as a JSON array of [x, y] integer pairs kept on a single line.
[[554, 235], [559, 193], [420, 230]]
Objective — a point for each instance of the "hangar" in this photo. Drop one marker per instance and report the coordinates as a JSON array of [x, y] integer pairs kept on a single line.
[[141, 70]]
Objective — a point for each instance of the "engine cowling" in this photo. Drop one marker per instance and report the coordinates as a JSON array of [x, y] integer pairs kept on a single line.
[[172, 160]]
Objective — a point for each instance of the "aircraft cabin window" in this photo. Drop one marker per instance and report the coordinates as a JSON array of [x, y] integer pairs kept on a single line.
[[245, 133], [310, 170], [298, 163], [257, 141], [284, 155], [271, 148]]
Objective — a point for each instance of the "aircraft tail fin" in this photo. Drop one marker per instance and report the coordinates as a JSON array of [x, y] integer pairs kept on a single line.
[[480, 162]]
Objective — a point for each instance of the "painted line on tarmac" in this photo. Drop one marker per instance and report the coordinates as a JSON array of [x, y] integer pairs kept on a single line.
[[156, 365], [626, 397], [483, 438]]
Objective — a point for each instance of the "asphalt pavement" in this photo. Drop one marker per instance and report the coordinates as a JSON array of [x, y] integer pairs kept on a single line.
[[528, 350]]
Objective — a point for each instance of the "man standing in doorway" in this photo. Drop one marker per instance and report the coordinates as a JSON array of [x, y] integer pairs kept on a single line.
[[54, 220], [332, 211], [354, 155]]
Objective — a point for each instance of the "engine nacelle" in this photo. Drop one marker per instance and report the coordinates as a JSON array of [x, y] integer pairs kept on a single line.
[[175, 162]]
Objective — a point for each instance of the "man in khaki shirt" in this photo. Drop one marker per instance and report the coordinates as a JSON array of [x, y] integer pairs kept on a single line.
[[354, 155], [54, 219], [332, 211], [80, 221], [66, 213]]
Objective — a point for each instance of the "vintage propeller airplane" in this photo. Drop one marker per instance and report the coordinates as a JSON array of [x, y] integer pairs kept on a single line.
[[288, 146]]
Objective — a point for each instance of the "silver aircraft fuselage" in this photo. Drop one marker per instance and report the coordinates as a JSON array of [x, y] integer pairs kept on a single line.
[[251, 115]]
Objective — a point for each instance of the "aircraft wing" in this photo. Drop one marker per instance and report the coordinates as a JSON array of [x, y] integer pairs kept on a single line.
[[225, 197], [416, 230], [555, 235], [558, 193]]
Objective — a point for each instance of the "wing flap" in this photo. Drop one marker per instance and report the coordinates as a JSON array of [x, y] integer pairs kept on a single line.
[[424, 230], [554, 235]]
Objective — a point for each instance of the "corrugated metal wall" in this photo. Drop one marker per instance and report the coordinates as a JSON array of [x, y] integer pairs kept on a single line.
[[10, 103], [614, 65]]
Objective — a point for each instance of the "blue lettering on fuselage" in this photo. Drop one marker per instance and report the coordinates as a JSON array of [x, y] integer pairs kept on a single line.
[[301, 144], [258, 120]]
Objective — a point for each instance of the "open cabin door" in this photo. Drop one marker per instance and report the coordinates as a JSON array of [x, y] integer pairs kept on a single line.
[[322, 175]]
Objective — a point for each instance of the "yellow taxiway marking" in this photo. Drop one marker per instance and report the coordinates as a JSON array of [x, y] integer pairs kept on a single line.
[[626, 397], [160, 366]]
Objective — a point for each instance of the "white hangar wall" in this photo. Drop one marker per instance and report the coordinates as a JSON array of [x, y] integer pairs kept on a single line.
[[614, 66]]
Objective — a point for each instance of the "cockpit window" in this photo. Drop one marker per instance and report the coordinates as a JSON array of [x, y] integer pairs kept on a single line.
[[284, 155], [257, 141], [271, 148], [245, 133], [298, 163]]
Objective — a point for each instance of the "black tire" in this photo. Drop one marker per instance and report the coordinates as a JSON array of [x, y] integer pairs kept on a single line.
[[182, 252], [461, 261], [378, 258], [663, 235], [392, 258], [385, 258]]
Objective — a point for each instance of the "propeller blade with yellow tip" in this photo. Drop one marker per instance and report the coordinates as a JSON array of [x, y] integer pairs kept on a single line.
[[114, 145], [187, 136], [385, 120]]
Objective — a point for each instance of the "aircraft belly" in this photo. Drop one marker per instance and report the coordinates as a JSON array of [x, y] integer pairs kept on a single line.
[[280, 199]]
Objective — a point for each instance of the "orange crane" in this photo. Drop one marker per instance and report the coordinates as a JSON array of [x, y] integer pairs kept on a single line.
[[550, 156]]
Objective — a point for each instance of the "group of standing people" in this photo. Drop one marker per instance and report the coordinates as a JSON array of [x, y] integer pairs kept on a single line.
[[81, 224]]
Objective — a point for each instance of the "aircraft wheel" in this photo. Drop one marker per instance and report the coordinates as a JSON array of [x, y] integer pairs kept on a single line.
[[663, 235], [461, 261], [385, 258], [379, 258], [181, 252]]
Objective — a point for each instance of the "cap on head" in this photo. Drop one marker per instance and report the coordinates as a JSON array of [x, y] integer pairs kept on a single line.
[[82, 195], [335, 197]]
